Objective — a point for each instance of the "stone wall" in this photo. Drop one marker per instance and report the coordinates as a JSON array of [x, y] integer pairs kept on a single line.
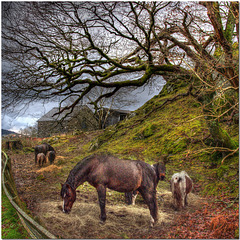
[[114, 118], [84, 121]]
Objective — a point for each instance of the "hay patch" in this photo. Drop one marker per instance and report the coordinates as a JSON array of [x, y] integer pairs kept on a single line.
[[50, 168], [60, 157], [166, 201], [83, 221], [123, 221]]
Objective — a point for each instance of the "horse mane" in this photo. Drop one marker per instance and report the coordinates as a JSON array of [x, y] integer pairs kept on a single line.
[[78, 173]]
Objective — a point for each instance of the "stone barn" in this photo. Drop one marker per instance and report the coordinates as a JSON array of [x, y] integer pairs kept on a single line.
[[82, 118], [114, 116]]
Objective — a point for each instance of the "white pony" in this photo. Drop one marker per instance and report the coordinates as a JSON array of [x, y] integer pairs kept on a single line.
[[181, 186]]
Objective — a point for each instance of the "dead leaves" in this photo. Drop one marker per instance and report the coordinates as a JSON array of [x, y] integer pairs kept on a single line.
[[222, 224], [212, 221]]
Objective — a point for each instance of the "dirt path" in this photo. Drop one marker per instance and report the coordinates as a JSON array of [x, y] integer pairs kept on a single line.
[[40, 187]]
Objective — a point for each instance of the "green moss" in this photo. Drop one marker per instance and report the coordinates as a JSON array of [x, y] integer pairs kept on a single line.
[[221, 136], [145, 132], [71, 148], [11, 224], [28, 149], [40, 177], [218, 52], [222, 171], [177, 146], [173, 86], [60, 162], [105, 136], [149, 130]]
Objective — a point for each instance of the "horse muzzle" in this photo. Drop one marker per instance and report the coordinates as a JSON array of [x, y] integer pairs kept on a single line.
[[162, 177], [67, 211]]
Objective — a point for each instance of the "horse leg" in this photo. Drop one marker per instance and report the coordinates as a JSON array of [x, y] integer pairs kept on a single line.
[[36, 157], [186, 203], [102, 202], [151, 200], [183, 200], [134, 196], [128, 198], [174, 202]]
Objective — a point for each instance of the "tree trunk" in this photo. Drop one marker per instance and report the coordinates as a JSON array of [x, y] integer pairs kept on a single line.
[[13, 145], [220, 136]]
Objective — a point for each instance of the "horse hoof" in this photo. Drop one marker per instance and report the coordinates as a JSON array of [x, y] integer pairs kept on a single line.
[[102, 222], [152, 222]]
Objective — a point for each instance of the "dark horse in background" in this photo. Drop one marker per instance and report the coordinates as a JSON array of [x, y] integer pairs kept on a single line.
[[160, 170], [43, 148], [103, 172]]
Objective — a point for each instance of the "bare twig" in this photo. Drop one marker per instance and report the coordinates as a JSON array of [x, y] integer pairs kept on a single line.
[[230, 154]]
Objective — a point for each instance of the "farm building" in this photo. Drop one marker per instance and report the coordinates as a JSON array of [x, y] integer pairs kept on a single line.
[[113, 116], [82, 118]]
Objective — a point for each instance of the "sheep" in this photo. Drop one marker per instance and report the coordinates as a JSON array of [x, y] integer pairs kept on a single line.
[[181, 186]]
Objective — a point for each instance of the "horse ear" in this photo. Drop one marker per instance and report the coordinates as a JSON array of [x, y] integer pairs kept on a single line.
[[61, 184]]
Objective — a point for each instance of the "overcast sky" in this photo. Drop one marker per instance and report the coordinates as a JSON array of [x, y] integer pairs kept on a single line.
[[29, 117], [16, 121]]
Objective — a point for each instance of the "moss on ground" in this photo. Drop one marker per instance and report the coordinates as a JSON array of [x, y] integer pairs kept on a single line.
[[12, 227]]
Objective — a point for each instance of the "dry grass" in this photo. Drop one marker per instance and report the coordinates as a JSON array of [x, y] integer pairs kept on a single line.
[[122, 221], [60, 157], [50, 168], [83, 221]]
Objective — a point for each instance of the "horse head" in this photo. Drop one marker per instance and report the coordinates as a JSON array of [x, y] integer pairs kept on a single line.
[[161, 169], [68, 195]]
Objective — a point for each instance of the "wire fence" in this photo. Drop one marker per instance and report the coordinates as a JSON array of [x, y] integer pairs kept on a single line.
[[34, 229]]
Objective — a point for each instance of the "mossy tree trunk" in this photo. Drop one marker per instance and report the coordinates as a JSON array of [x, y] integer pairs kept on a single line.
[[220, 136]]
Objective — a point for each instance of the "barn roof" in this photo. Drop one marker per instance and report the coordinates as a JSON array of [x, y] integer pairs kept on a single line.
[[49, 116], [118, 110], [121, 111]]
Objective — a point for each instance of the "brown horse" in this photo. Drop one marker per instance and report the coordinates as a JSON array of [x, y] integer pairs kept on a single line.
[[110, 172]]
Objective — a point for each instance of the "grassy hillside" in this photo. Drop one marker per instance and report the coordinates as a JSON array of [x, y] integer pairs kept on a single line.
[[171, 128]]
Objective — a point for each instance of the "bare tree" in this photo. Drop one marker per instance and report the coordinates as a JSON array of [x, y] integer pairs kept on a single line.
[[29, 131], [67, 49]]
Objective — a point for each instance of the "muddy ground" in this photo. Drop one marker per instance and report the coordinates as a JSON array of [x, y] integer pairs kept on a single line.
[[40, 189]]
